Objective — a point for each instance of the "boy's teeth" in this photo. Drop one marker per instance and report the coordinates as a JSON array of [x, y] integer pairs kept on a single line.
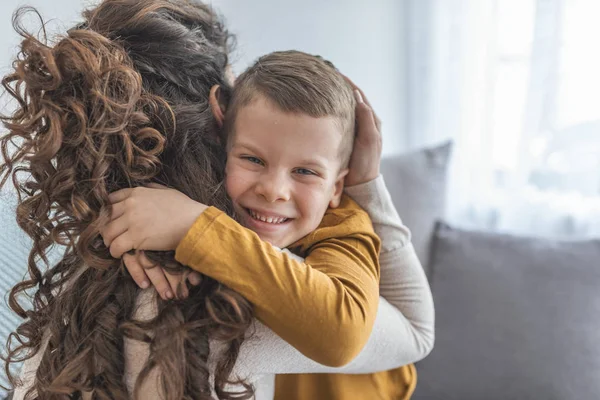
[[269, 220]]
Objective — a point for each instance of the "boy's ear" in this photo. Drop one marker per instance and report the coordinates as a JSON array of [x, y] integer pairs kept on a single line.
[[338, 189], [217, 104]]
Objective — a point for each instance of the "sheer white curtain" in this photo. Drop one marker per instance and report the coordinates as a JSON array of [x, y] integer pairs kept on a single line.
[[516, 84]]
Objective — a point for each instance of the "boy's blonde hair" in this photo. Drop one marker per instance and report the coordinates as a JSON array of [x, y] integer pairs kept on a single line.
[[298, 82]]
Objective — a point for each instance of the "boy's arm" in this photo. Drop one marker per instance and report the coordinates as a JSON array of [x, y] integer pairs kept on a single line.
[[403, 282], [324, 306]]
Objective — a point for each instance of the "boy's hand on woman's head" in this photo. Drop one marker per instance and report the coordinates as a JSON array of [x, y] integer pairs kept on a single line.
[[149, 218], [366, 155], [168, 285]]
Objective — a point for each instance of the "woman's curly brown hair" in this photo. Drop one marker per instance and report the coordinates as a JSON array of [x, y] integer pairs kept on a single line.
[[119, 101]]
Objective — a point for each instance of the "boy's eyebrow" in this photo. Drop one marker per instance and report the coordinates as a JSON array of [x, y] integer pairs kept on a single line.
[[248, 146], [313, 162]]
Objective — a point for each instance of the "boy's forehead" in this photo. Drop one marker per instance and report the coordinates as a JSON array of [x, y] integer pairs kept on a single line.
[[263, 109], [262, 122], [261, 112]]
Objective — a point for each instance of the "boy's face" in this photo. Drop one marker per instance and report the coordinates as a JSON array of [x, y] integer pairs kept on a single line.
[[283, 171]]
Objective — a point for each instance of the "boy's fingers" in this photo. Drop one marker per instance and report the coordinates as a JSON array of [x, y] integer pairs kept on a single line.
[[195, 278], [174, 280], [119, 195], [155, 274], [117, 210], [136, 271], [159, 280], [121, 245], [113, 230]]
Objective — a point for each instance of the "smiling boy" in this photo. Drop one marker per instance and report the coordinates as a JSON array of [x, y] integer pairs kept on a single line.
[[288, 151]]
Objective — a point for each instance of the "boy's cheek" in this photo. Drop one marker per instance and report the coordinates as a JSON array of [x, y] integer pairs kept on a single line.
[[231, 185], [237, 181], [314, 204]]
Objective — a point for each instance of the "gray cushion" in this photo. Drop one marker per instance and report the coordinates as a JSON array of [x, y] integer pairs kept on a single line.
[[517, 318], [417, 183]]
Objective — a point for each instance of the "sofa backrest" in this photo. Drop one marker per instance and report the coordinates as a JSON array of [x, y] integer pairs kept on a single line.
[[417, 183]]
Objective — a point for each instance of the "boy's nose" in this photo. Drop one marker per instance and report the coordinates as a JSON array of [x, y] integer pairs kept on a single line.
[[273, 187]]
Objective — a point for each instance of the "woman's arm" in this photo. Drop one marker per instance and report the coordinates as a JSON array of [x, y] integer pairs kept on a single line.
[[403, 281]]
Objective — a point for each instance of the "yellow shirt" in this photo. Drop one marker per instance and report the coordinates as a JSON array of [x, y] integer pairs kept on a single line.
[[325, 307], [396, 384]]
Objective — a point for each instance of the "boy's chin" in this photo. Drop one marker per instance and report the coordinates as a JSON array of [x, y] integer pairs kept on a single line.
[[291, 241], [278, 242], [282, 243]]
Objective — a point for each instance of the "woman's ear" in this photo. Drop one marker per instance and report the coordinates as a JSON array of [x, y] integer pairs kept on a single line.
[[217, 105]]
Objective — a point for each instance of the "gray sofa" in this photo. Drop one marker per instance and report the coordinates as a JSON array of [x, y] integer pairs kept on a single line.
[[516, 317]]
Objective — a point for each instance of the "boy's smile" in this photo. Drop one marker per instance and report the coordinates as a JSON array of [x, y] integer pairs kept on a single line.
[[283, 170]]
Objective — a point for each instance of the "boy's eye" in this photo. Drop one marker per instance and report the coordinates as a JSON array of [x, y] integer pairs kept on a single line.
[[304, 171], [253, 159]]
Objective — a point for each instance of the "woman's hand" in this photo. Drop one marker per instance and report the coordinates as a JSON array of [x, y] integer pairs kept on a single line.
[[149, 218], [366, 156]]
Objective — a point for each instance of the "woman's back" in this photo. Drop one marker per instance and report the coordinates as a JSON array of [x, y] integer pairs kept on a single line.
[[119, 101]]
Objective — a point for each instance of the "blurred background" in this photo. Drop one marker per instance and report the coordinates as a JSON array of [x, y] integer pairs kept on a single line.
[[514, 84]]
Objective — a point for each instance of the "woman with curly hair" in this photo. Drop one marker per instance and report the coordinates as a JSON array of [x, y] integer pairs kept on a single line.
[[122, 101]]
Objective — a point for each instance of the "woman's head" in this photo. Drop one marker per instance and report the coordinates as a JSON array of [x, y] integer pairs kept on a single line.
[[120, 100], [180, 49]]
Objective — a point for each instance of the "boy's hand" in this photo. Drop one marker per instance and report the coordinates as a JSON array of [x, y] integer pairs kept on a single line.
[[149, 218], [366, 156], [168, 285]]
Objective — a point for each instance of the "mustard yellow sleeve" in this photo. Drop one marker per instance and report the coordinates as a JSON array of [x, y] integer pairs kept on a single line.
[[325, 306]]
